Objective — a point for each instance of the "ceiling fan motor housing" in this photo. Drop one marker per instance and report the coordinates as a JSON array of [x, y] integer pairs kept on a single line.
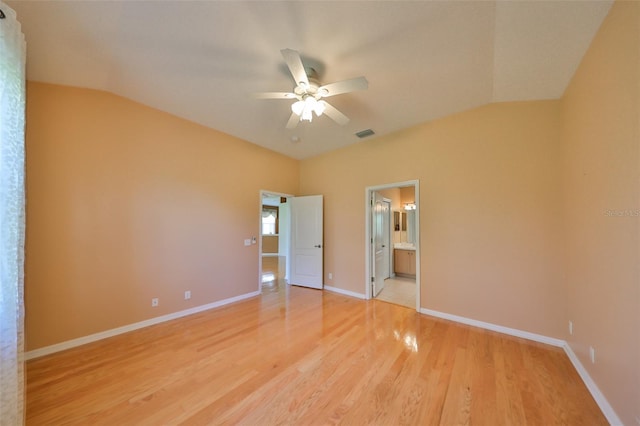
[[302, 90]]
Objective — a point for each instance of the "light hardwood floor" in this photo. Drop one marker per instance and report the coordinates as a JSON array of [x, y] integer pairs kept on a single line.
[[308, 357], [273, 272]]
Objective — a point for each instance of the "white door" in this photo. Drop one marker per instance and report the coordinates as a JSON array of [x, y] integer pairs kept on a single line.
[[306, 241], [386, 242], [380, 243]]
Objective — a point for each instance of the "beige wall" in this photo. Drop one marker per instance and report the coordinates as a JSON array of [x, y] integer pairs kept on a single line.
[[601, 162], [407, 195], [490, 215], [126, 203]]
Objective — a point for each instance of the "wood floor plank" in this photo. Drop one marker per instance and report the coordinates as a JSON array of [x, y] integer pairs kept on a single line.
[[308, 357]]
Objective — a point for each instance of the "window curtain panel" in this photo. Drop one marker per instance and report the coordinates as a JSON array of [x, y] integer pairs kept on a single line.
[[12, 217]]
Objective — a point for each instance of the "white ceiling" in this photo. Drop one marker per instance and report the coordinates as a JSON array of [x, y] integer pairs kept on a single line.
[[203, 60]]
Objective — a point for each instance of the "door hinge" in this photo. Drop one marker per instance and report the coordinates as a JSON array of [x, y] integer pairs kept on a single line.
[[373, 279]]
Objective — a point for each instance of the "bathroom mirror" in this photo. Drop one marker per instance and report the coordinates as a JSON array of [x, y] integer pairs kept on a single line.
[[399, 221], [404, 229]]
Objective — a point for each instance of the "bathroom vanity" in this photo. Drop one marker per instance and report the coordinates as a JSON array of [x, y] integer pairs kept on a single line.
[[404, 261]]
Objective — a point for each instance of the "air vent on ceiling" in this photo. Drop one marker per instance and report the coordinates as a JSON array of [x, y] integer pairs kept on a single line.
[[364, 133]]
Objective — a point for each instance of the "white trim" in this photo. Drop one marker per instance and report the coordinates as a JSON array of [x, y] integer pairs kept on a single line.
[[597, 395], [47, 350], [602, 402], [345, 292], [493, 327]]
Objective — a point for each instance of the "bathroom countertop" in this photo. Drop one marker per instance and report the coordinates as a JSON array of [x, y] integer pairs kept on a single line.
[[404, 246]]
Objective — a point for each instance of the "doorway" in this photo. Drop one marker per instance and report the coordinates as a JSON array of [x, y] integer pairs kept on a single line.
[[275, 227], [400, 284], [290, 249]]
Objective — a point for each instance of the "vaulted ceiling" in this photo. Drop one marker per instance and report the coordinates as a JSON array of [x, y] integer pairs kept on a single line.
[[203, 60]]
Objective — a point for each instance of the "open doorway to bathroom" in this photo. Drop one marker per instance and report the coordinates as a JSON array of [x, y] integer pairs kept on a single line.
[[399, 283], [274, 241]]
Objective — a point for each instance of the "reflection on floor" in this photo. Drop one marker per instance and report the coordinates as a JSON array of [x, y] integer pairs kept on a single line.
[[273, 271], [401, 291]]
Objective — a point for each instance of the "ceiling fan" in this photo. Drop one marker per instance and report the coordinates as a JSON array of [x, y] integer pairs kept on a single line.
[[309, 94]]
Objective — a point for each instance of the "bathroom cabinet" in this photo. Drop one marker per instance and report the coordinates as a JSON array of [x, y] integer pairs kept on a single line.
[[404, 262]]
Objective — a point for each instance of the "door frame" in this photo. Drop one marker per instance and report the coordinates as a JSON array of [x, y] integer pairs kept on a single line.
[[262, 193], [368, 193]]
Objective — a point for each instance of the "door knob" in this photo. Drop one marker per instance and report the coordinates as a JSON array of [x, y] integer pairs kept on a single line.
[[318, 246]]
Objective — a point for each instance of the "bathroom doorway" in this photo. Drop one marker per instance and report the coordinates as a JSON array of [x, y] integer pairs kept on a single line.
[[400, 283]]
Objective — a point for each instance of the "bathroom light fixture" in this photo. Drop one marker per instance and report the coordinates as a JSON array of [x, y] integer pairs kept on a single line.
[[409, 206]]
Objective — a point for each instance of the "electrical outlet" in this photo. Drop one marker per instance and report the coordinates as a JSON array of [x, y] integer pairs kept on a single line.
[[330, 275], [571, 327], [155, 302], [187, 295], [592, 354]]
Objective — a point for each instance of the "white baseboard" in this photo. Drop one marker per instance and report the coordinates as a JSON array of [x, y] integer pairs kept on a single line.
[[345, 292], [600, 399], [493, 327], [36, 353], [602, 402]]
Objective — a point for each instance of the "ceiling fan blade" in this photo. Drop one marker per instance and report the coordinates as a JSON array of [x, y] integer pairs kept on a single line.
[[293, 121], [335, 115], [292, 58], [275, 95], [345, 86]]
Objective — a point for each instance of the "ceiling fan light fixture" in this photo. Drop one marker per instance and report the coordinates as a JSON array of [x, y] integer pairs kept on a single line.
[[306, 115], [319, 108], [306, 107], [310, 103], [297, 107], [308, 92]]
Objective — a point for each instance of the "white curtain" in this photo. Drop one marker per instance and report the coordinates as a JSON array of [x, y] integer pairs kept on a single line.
[[12, 217]]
